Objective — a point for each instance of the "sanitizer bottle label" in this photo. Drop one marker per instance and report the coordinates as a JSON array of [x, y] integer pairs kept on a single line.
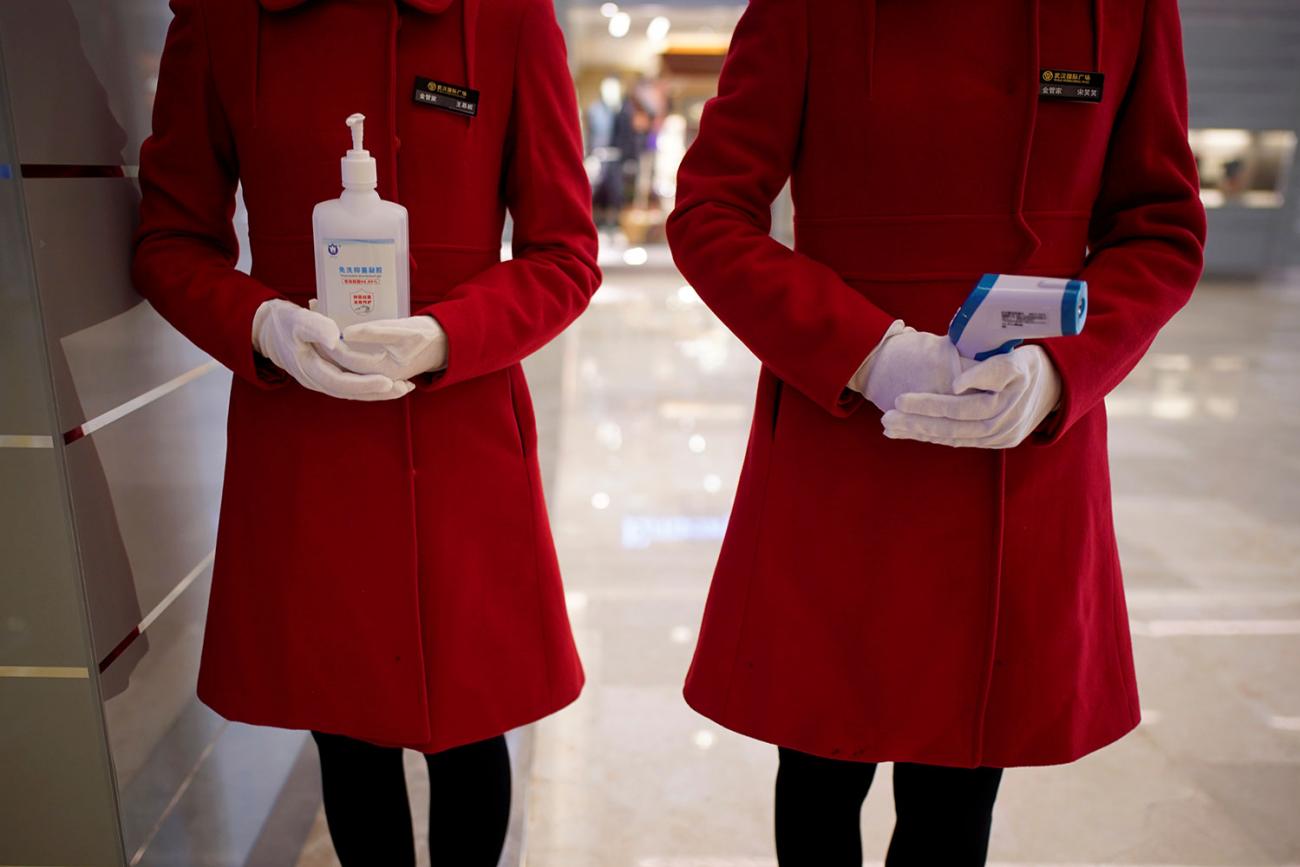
[[360, 279]]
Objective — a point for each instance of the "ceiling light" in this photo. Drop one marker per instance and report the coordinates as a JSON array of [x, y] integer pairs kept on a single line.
[[657, 30]]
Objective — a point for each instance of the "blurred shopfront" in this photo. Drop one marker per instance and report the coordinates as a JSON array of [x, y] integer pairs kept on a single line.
[[643, 74], [1243, 65], [644, 71]]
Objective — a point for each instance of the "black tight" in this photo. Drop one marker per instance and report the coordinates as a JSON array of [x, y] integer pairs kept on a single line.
[[943, 814], [369, 817]]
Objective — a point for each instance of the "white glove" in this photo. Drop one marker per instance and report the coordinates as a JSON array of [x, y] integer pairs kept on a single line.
[[396, 348], [998, 403], [907, 360], [293, 338]]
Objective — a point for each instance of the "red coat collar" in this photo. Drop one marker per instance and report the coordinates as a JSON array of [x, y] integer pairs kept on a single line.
[[433, 7]]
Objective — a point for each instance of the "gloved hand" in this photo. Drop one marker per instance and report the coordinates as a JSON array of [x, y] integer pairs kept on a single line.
[[907, 360], [396, 348], [293, 338], [998, 403]]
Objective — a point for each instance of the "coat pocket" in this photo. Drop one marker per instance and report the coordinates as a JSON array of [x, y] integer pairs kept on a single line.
[[777, 391], [521, 407]]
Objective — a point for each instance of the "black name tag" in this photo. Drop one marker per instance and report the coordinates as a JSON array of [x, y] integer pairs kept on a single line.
[[1070, 85], [448, 97]]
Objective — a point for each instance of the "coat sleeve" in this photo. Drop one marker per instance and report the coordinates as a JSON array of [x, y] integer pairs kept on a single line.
[[514, 308], [185, 245], [1147, 233], [802, 321]]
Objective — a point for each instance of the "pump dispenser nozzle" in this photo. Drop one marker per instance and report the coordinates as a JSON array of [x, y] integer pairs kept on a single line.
[[357, 123], [359, 172]]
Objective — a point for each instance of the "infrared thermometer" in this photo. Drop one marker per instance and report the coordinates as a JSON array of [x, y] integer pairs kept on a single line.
[[1005, 309]]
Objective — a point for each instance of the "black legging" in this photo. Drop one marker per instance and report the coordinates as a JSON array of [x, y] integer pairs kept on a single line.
[[943, 814], [369, 816]]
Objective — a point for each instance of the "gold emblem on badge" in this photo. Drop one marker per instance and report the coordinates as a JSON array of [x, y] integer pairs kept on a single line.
[[1047, 75]]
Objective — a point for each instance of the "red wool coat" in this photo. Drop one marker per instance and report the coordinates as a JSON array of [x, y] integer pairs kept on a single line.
[[383, 570], [886, 600]]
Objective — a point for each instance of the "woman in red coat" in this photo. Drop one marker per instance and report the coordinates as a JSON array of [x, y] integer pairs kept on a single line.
[[385, 575], [941, 590]]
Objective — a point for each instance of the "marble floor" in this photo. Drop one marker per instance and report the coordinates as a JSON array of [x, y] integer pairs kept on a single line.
[[644, 407]]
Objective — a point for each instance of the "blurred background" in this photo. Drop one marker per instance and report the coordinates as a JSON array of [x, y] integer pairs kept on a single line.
[[112, 440]]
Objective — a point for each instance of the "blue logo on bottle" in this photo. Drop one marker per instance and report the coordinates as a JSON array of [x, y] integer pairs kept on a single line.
[[334, 249]]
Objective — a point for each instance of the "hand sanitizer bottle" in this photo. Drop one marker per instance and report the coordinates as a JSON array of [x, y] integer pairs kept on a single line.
[[363, 268]]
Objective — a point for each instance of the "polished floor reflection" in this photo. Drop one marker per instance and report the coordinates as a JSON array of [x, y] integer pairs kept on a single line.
[[655, 402]]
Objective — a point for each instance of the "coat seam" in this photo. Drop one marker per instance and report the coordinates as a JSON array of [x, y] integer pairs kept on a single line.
[[533, 494], [753, 566], [512, 119], [210, 82], [1116, 590], [797, 151], [982, 705], [425, 667], [1117, 593]]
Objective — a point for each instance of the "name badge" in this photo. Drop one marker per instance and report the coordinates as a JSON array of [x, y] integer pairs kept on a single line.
[[448, 97], [1070, 85]]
